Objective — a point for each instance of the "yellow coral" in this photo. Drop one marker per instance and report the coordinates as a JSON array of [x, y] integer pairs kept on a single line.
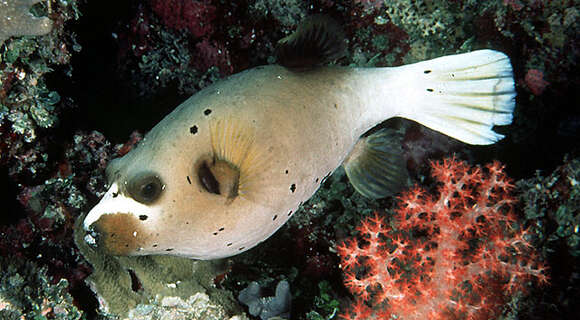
[[16, 20]]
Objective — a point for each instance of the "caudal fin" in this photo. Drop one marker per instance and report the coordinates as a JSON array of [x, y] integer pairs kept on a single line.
[[462, 96]]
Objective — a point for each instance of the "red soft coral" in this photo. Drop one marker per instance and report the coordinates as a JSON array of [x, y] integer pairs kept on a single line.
[[211, 53], [457, 254], [535, 81], [195, 16]]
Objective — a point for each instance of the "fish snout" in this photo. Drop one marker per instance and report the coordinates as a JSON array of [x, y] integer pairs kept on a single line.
[[116, 224], [117, 234]]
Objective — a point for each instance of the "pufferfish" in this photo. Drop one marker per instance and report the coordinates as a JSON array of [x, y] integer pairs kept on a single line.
[[230, 165]]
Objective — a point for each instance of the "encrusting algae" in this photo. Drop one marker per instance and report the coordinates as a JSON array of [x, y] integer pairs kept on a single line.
[[16, 20]]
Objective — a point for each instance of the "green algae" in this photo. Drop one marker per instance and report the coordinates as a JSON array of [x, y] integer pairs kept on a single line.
[[128, 286]]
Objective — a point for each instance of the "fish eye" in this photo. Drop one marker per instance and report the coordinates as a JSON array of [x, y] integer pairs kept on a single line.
[[145, 188]]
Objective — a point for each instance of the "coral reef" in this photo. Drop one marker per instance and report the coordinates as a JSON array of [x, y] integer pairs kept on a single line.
[[135, 60], [457, 254], [27, 105], [556, 197], [197, 306], [553, 201], [287, 12], [27, 293], [195, 16]]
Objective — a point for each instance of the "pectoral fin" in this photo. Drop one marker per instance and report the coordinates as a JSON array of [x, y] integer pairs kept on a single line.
[[237, 164], [376, 167]]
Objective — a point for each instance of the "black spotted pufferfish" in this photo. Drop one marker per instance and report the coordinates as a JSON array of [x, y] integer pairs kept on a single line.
[[230, 165]]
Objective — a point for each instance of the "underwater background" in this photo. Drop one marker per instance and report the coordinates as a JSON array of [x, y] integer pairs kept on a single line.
[[82, 81]]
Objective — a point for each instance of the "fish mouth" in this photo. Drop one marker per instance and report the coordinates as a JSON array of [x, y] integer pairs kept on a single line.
[[91, 238]]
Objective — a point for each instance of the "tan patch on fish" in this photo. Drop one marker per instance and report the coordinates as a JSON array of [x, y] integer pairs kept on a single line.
[[120, 241]]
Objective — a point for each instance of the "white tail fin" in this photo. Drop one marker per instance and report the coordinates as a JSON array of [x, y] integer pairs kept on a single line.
[[462, 96]]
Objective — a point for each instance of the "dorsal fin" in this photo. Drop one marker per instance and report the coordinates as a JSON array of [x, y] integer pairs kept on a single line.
[[317, 40]]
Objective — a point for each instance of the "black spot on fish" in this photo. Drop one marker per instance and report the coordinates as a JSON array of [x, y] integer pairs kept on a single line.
[[193, 130], [215, 233], [293, 187], [290, 213], [427, 71], [188, 180], [286, 172], [274, 218], [168, 250], [229, 244], [155, 245], [143, 217], [207, 112], [241, 248], [316, 180], [221, 229], [430, 90], [115, 194]]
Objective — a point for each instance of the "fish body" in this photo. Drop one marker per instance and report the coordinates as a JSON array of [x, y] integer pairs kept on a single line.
[[230, 165]]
